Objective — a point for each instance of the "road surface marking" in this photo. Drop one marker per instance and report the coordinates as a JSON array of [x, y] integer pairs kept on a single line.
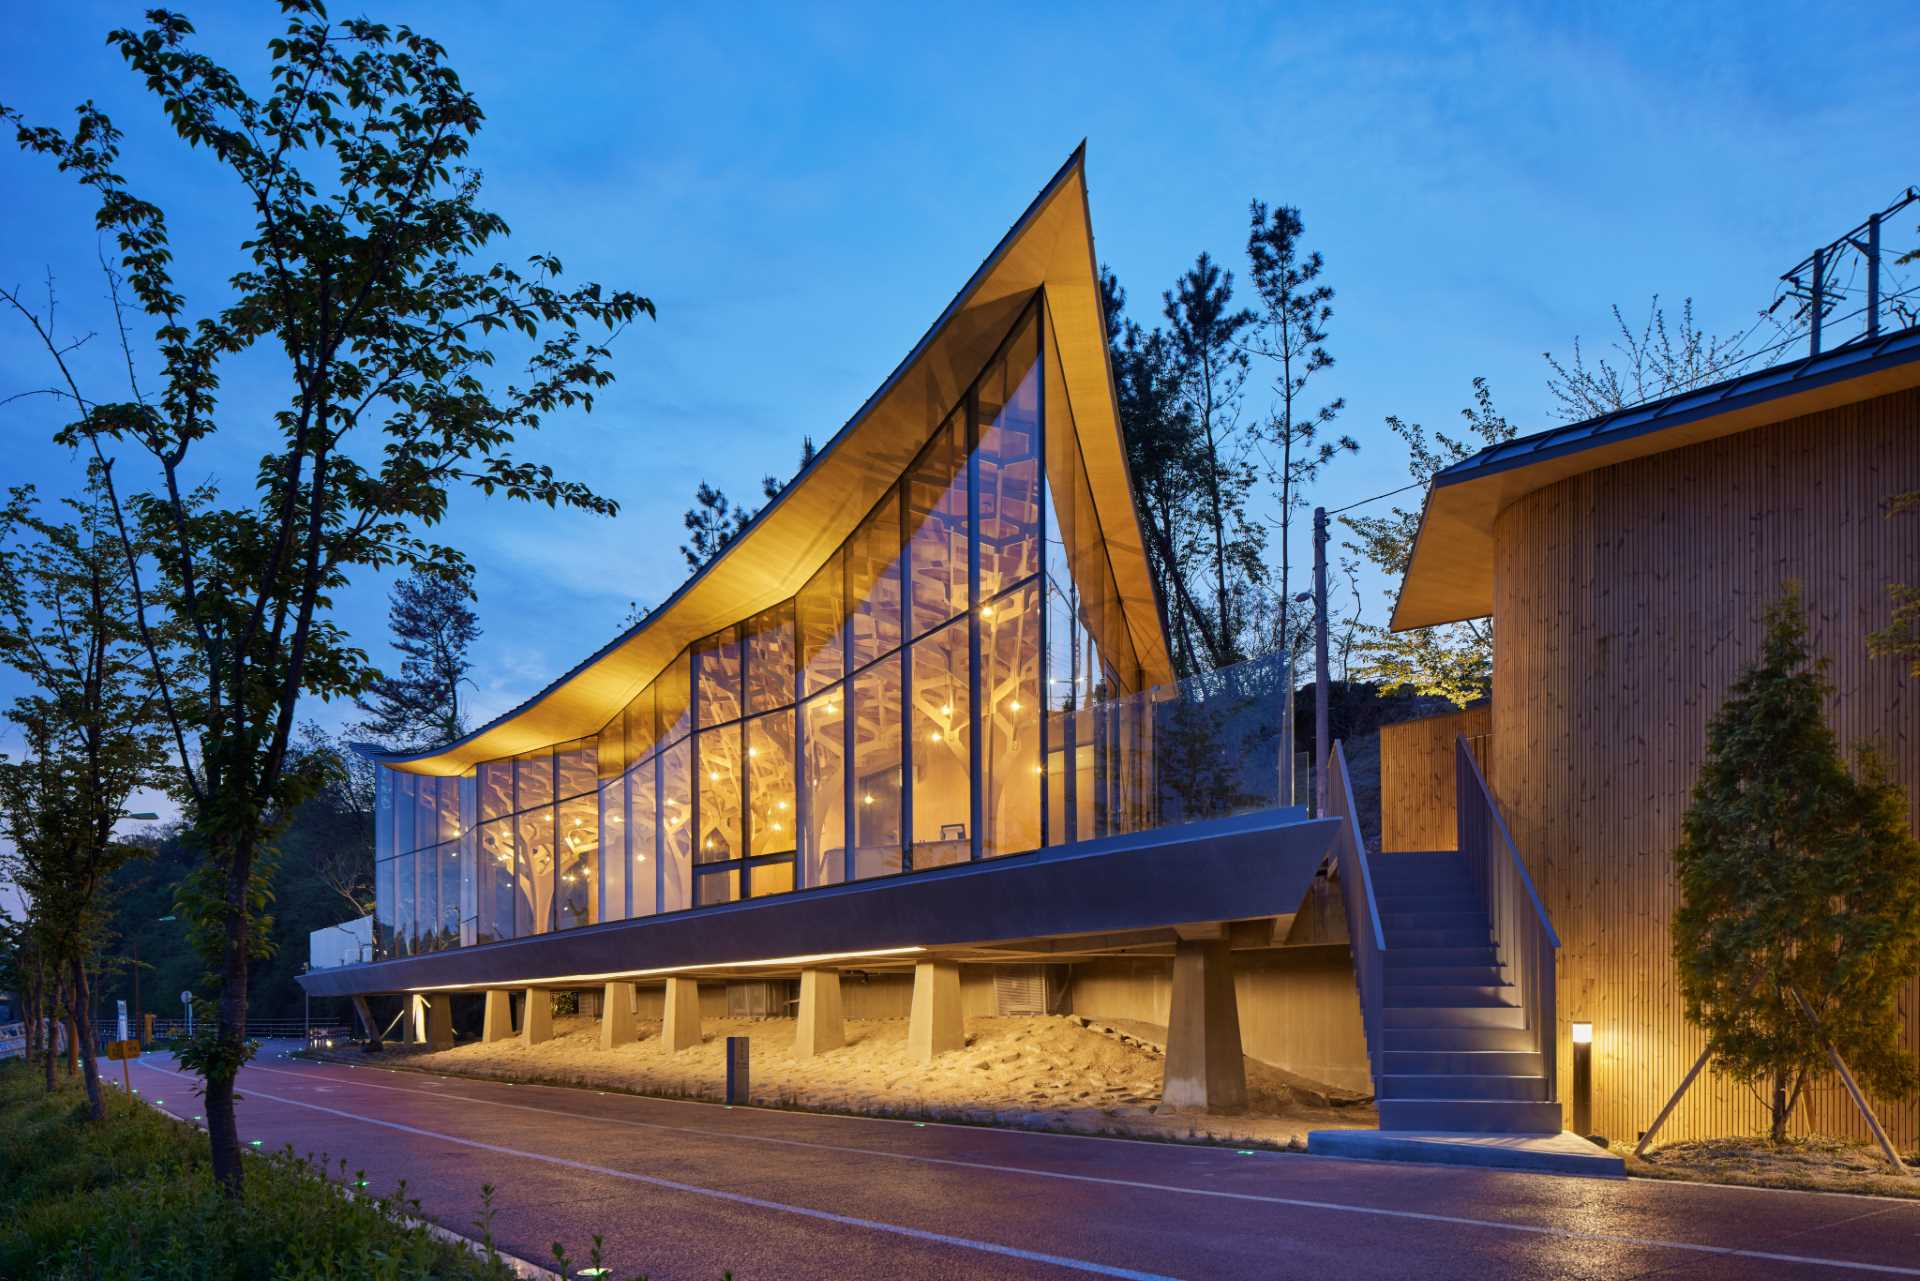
[[1423, 1216], [738, 1198]]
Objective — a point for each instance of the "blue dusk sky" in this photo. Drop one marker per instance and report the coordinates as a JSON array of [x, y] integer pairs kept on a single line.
[[801, 190]]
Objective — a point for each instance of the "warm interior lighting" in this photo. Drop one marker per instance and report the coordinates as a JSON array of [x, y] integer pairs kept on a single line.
[[935, 736], [946, 709], [867, 799], [1014, 706], [1583, 1034], [714, 775]]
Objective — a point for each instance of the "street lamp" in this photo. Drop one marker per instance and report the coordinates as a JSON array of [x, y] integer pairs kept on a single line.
[[1582, 1078]]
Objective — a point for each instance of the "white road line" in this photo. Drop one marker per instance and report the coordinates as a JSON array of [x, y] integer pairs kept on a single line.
[[1567, 1234], [738, 1198]]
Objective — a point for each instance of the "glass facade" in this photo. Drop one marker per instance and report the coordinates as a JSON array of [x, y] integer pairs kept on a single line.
[[956, 682]]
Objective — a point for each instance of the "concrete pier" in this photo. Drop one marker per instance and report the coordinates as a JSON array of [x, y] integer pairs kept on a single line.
[[1204, 1064], [934, 1026], [822, 1024]]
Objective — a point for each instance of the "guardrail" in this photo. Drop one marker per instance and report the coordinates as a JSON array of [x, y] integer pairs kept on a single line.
[[1521, 930], [1368, 940]]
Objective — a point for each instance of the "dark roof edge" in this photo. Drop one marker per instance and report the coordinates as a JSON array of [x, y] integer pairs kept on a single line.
[[1809, 372]]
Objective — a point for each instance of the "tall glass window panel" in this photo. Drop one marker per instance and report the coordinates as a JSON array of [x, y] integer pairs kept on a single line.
[[823, 789], [447, 815], [674, 695], [577, 847], [642, 733], [940, 756], [1010, 720], [610, 880], [642, 837], [876, 770], [495, 874], [450, 892], [403, 920], [821, 620], [1009, 466], [719, 887], [676, 827], [716, 678], [472, 874], [873, 579], [578, 774], [770, 785], [533, 871], [718, 760], [496, 789], [937, 530], [533, 779], [405, 811], [1066, 645], [774, 877], [383, 813], [770, 660], [385, 935]]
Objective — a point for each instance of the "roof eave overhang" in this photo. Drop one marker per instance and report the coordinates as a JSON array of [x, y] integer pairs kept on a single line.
[[1449, 576], [1049, 248]]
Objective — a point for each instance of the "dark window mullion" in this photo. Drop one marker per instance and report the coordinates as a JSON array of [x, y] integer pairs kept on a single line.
[[975, 751], [1040, 478], [906, 675]]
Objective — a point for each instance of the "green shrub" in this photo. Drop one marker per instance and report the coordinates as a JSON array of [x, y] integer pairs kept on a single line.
[[134, 1200]]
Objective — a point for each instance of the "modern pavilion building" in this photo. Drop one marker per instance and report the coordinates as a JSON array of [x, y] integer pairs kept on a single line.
[[919, 720]]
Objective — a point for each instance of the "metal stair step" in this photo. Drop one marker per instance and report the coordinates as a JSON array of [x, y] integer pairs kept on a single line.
[[1401, 901], [1415, 957], [1399, 1016], [1472, 1116], [1472, 919], [1429, 975], [1460, 1062], [1455, 1039], [1420, 936], [1457, 995], [1463, 1085]]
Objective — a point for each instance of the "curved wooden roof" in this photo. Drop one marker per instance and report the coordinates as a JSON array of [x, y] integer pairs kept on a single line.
[[1050, 247]]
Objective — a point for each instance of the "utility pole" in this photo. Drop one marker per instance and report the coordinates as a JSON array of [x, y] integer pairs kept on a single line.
[[1322, 745]]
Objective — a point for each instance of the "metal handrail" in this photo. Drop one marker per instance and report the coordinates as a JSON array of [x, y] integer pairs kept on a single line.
[[1522, 931], [1368, 940]]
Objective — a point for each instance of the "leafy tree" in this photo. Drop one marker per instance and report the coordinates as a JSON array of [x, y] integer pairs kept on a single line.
[[360, 285], [92, 731], [1454, 660], [433, 628], [1203, 331], [1795, 876], [340, 856], [1654, 362], [1900, 638]]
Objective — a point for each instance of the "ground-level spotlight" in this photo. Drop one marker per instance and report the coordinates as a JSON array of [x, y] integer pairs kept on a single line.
[[594, 1272], [1582, 1079], [254, 1143]]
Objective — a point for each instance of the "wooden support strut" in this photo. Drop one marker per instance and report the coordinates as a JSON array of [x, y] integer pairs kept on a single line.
[[1846, 1079]]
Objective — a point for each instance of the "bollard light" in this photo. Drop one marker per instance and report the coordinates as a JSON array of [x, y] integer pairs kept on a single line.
[[1582, 1079]]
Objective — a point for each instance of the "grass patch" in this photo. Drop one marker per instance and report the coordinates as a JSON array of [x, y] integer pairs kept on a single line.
[[133, 1199], [1806, 1165]]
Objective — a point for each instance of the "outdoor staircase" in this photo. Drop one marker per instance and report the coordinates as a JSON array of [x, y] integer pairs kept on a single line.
[[1456, 1053]]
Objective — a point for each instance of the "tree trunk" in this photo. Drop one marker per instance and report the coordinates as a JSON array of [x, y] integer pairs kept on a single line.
[[82, 1006], [223, 1065], [1780, 1108]]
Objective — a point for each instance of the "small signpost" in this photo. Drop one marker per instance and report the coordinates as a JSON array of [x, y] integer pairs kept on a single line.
[[737, 1070], [121, 1021], [186, 999], [125, 1050]]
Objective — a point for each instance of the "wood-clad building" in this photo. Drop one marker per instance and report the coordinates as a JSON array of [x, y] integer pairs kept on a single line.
[[1626, 564]]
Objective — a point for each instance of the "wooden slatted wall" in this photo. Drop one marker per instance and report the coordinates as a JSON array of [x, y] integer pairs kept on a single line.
[[1625, 603], [1416, 778]]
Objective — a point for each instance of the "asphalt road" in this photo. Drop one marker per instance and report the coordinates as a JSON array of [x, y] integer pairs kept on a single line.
[[684, 1191]]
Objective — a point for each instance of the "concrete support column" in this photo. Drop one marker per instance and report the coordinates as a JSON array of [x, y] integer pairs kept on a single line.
[[1204, 1064], [440, 1021], [415, 1032], [616, 1016], [681, 1030], [364, 1013], [536, 1024], [935, 1025], [497, 1023], [822, 1025]]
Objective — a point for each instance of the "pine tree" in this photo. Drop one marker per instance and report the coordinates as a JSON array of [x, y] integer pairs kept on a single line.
[[1795, 875], [712, 522], [433, 627]]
